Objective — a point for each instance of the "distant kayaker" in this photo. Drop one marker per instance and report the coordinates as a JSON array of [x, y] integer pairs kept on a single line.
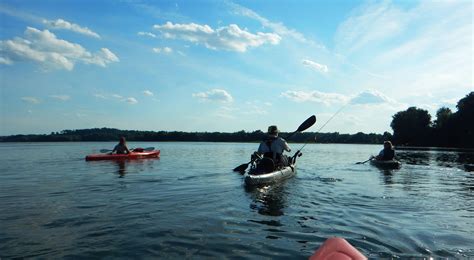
[[274, 146], [121, 147], [388, 153]]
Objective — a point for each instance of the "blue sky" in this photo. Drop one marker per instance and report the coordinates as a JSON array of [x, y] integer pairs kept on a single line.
[[229, 65]]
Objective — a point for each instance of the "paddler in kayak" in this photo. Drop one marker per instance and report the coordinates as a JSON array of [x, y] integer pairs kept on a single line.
[[274, 146], [121, 147], [388, 153]]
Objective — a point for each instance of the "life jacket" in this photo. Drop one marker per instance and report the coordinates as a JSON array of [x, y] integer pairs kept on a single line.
[[276, 157], [388, 154]]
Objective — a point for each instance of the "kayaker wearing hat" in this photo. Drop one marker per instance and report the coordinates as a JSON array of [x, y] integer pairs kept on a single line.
[[388, 153], [274, 146]]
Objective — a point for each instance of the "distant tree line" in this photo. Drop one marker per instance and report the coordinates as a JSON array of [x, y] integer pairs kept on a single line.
[[413, 127], [110, 134]]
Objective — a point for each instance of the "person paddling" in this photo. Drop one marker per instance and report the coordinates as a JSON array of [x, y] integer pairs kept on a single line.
[[274, 146], [388, 153], [121, 147]]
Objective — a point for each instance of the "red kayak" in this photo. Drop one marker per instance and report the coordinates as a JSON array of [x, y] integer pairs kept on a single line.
[[130, 156], [336, 248]]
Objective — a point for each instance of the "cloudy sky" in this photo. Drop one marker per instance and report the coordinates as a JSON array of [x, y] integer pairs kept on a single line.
[[227, 66]]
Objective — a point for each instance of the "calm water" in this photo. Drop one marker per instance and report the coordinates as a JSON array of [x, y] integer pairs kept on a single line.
[[189, 203]]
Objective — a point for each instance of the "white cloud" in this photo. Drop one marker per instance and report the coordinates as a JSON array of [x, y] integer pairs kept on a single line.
[[369, 24], [31, 100], [230, 38], [148, 93], [255, 108], [219, 95], [315, 96], [149, 34], [61, 97], [166, 50], [65, 25], [44, 48], [100, 96], [369, 97], [5, 61], [279, 28], [131, 100], [315, 66], [117, 97], [424, 48]]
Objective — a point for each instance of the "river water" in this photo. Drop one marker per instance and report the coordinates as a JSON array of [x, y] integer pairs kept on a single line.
[[190, 204]]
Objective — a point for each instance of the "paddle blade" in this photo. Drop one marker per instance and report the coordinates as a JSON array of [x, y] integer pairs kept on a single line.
[[241, 168], [307, 124]]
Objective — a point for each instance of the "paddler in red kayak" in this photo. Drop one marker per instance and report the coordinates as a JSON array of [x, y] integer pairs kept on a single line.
[[121, 147]]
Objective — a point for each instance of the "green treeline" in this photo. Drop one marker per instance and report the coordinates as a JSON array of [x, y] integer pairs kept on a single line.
[[110, 134], [414, 127]]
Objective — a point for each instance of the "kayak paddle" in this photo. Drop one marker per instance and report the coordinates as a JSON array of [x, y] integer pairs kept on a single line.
[[371, 157], [305, 125], [148, 149]]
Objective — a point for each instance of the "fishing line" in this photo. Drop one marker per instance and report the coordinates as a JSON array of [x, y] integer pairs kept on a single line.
[[337, 112]]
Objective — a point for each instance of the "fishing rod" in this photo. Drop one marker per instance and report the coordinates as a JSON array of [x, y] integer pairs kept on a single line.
[[337, 112]]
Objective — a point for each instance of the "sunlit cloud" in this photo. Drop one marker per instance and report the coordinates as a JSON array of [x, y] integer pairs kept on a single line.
[[255, 108], [101, 96], [369, 97], [400, 43], [148, 93], [31, 100], [230, 38], [149, 34], [131, 100], [44, 48], [5, 61], [278, 28], [61, 97], [315, 66], [315, 96], [165, 50], [65, 25], [218, 95]]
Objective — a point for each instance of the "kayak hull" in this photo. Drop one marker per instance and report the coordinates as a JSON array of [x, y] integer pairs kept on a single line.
[[272, 177], [390, 164], [337, 248], [130, 156]]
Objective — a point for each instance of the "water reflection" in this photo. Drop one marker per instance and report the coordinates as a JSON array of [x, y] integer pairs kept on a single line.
[[442, 158], [121, 168], [387, 176], [416, 158], [268, 200]]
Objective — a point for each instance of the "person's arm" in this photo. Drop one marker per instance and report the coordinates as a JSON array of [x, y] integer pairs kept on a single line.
[[262, 148], [285, 146], [380, 156], [115, 149], [126, 148]]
